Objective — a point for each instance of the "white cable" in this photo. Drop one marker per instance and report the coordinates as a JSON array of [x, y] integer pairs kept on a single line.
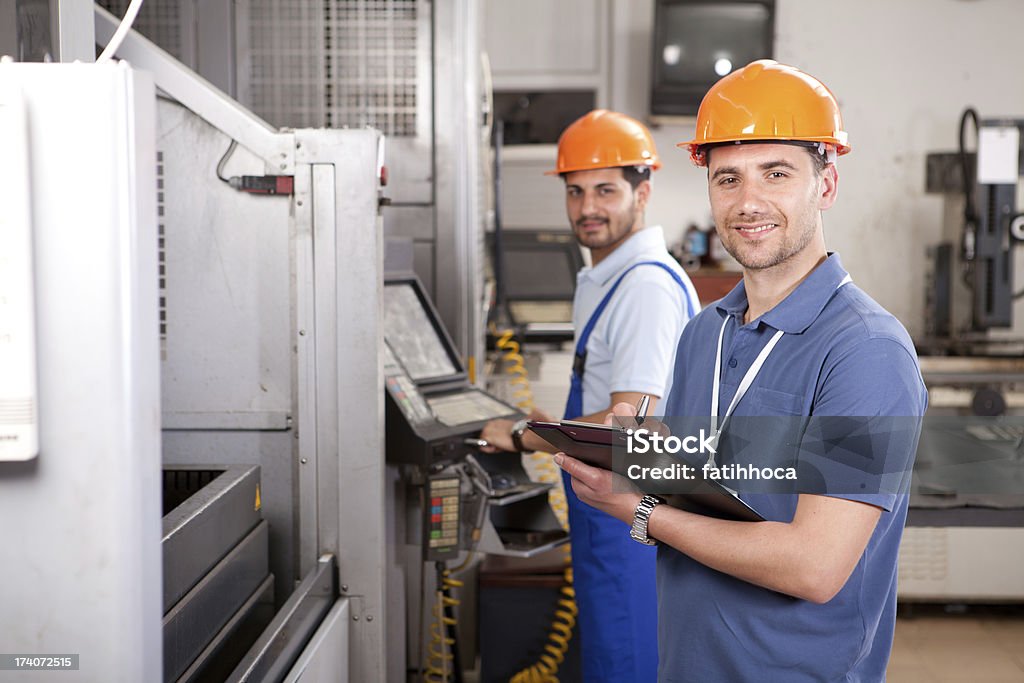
[[122, 30]]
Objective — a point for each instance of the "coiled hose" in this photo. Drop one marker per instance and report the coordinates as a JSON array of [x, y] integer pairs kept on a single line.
[[442, 662], [515, 366], [545, 669]]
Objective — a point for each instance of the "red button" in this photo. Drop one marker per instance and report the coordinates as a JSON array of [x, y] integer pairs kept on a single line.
[[435, 518]]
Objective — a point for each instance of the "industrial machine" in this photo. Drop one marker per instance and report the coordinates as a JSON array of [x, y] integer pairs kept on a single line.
[[965, 530], [972, 274], [197, 274], [450, 499], [433, 418], [234, 325]]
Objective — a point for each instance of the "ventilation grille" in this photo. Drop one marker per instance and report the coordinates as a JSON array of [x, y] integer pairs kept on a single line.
[[335, 63], [158, 20], [924, 556], [16, 411]]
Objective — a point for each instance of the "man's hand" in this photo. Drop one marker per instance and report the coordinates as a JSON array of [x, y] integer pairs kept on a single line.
[[594, 485], [498, 434]]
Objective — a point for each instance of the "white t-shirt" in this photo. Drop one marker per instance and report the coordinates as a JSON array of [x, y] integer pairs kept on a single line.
[[633, 344]]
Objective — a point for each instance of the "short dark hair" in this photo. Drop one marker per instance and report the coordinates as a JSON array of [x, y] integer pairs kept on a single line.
[[818, 160], [634, 175]]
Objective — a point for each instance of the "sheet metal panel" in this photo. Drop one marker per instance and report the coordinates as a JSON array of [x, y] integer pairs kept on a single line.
[[81, 523], [194, 621], [204, 528]]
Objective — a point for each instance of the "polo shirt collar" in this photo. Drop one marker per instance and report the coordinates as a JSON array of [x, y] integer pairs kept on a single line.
[[639, 243], [796, 312]]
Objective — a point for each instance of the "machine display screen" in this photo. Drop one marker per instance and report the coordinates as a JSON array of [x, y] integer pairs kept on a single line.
[[412, 335]]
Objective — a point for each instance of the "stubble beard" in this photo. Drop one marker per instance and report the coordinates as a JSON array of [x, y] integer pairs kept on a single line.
[[619, 226], [757, 259]]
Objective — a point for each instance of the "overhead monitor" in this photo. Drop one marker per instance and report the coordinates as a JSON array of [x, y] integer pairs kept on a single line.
[[697, 42]]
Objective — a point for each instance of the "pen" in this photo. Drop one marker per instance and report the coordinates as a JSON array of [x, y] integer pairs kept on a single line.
[[641, 409]]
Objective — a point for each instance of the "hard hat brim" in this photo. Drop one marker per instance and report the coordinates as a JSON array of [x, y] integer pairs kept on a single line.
[[572, 169], [696, 148]]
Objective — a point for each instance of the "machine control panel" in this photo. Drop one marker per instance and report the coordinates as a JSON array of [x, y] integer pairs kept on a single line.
[[441, 526], [467, 407], [403, 390], [408, 399]]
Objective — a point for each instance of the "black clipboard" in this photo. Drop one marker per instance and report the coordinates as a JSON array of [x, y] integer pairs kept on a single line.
[[594, 444]]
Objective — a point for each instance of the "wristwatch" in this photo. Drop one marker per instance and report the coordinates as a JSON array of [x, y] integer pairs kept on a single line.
[[640, 518], [517, 434]]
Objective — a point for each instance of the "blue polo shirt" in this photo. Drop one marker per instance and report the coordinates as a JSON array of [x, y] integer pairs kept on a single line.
[[841, 355]]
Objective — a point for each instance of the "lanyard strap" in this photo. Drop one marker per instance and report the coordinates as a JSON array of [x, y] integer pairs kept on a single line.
[[748, 378], [745, 383]]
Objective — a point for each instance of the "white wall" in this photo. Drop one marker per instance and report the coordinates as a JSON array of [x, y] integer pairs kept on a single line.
[[903, 70]]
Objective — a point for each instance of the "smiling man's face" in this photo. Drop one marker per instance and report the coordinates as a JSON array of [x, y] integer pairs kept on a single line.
[[603, 208], [767, 200]]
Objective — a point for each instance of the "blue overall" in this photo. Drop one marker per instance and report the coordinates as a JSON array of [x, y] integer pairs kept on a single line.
[[613, 575]]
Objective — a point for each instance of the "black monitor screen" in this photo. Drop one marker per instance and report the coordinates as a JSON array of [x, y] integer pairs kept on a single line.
[[538, 265], [535, 274], [539, 117], [696, 43]]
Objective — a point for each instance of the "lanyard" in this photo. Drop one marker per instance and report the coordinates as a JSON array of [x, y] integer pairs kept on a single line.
[[745, 383], [748, 378]]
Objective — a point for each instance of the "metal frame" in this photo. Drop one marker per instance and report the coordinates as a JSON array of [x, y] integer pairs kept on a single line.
[[73, 37], [284, 640], [349, 383], [458, 281], [277, 149], [337, 380]]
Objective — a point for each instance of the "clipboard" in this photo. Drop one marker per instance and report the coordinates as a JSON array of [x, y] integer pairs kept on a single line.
[[594, 445]]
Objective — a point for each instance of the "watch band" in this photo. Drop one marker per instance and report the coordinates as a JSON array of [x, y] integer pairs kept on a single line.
[[517, 434], [641, 517]]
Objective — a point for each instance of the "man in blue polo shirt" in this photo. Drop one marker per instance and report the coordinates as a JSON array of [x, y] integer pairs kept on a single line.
[[809, 594]]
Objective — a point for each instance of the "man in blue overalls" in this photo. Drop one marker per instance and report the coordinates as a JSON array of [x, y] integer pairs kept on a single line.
[[629, 310]]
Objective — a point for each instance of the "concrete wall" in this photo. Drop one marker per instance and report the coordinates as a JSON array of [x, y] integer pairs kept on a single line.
[[903, 72]]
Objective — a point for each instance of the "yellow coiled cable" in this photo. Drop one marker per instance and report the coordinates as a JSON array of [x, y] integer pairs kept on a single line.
[[564, 622], [515, 366], [440, 664]]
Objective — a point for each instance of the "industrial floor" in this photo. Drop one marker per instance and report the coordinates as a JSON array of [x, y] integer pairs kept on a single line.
[[936, 644]]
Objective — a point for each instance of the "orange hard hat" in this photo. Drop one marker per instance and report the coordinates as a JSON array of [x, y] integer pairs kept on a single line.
[[605, 139], [767, 101]]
